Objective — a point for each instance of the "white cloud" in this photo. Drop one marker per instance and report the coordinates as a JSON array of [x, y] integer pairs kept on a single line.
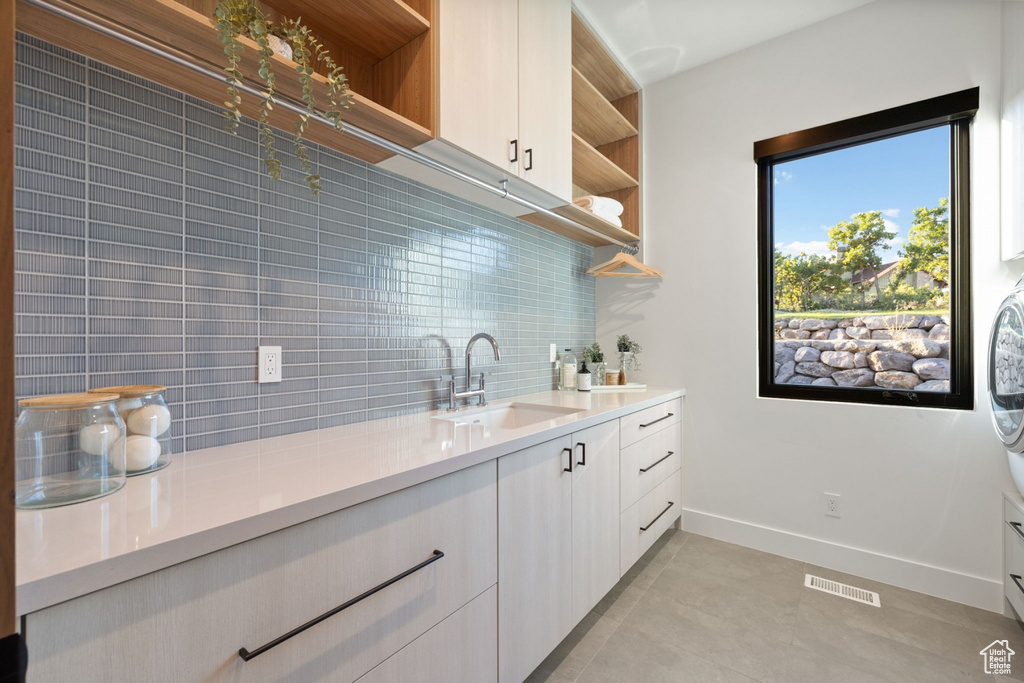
[[784, 175], [818, 248], [891, 213], [890, 226]]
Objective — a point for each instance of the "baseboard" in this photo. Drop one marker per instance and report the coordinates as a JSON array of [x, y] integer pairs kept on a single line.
[[941, 583]]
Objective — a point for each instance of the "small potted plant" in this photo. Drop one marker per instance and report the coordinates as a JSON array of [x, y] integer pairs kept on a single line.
[[294, 41], [629, 351], [593, 355]]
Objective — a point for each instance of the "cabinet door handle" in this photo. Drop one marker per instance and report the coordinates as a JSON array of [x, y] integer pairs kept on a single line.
[[584, 460], [657, 462], [645, 528], [1016, 527], [569, 468], [1016, 580], [657, 421], [528, 154], [246, 655], [514, 154]]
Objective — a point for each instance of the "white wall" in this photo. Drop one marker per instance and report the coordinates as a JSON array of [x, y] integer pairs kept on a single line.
[[921, 489]]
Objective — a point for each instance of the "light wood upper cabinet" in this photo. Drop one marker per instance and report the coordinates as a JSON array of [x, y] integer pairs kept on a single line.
[[545, 94], [506, 86], [479, 78]]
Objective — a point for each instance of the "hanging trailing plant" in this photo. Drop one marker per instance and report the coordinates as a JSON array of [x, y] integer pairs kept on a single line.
[[246, 17]]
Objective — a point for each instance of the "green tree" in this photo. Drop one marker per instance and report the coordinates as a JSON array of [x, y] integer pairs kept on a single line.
[[798, 279], [857, 243], [787, 293], [927, 246]]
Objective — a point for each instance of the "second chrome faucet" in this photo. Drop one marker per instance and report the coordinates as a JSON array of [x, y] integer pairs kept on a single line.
[[454, 396]]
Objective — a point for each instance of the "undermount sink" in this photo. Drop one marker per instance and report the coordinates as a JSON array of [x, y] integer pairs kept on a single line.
[[510, 416]]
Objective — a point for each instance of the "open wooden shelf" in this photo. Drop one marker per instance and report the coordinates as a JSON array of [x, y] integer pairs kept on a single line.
[[586, 218], [594, 118], [181, 30], [594, 172], [596, 65], [377, 27]]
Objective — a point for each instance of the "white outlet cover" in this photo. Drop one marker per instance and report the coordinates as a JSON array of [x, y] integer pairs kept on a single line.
[[268, 361], [833, 505], [552, 353]]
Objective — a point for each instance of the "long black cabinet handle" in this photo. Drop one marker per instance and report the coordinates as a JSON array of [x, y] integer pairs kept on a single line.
[[514, 157], [658, 462], [645, 528], [528, 154], [1016, 580], [1016, 527], [657, 421], [582, 462], [569, 468], [246, 655]]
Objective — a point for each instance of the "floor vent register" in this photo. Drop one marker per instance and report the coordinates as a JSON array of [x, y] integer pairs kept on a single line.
[[842, 590]]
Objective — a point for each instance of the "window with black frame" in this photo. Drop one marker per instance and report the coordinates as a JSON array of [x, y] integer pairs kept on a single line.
[[864, 258]]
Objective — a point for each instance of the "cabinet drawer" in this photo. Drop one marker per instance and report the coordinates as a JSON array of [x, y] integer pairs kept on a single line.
[[649, 421], [187, 622], [1011, 513], [1013, 560], [649, 462], [463, 647], [642, 524]]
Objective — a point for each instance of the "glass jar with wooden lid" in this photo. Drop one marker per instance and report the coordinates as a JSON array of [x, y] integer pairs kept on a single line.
[[69, 448], [148, 423]]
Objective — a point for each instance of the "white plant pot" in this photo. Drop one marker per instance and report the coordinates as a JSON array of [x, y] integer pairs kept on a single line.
[[279, 46]]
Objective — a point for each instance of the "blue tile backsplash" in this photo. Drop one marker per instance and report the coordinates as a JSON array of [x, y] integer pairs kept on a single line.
[[151, 248]]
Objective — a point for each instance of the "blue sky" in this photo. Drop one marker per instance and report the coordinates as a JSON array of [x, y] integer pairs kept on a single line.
[[894, 176]]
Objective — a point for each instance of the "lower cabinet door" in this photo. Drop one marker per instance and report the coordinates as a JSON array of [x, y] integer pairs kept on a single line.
[[187, 622], [462, 648], [534, 556], [595, 516], [648, 518]]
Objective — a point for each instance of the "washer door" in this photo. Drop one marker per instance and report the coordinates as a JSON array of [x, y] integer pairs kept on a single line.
[[1006, 371]]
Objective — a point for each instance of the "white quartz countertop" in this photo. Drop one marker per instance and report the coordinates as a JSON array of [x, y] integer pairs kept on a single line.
[[214, 498]]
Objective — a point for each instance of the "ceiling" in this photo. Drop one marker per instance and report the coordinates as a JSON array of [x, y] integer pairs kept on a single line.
[[657, 38]]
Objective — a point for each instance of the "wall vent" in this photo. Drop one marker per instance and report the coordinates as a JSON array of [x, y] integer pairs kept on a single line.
[[842, 590]]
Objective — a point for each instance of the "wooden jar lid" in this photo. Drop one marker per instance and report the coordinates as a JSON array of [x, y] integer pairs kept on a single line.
[[130, 390], [67, 400]]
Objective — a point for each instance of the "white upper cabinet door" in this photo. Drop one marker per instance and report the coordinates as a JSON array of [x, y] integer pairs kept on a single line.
[[534, 556], [545, 95], [595, 516], [479, 79]]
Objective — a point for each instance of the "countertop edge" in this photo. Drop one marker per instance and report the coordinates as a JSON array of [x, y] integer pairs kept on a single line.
[[57, 588]]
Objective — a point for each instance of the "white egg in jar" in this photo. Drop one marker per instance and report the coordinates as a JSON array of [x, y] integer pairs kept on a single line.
[[96, 439], [151, 420], [141, 452]]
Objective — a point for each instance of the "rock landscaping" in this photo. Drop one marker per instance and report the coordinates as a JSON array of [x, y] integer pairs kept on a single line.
[[902, 352]]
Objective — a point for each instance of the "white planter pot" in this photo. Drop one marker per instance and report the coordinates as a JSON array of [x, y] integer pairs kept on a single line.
[[279, 46]]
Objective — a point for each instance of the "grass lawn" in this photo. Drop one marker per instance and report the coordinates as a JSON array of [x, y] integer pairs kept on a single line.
[[840, 315]]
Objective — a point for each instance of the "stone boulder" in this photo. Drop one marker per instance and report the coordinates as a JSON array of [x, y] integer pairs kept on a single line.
[[939, 332], [934, 385], [913, 333], [944, 353], [854, 378], [813, 369], [810, 324], [880, 361], [795, 334], [843, 324], [824, 345], [785, 372], [824, 382], [823, 333], [932, 368], [895, 379], [858, 333], [829, 324], [882, 334], [838, 359], [854, 346], [860, 360], [794, 324], [837, 334], [783, 354], [799, 379], [875, 322], [922, 348], [807, 355], [929, 321]]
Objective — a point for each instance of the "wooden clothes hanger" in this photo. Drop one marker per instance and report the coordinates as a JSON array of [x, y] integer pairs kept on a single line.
[[609, 268]]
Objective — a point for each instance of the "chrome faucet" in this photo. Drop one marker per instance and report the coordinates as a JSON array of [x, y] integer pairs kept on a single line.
[[453, 396]]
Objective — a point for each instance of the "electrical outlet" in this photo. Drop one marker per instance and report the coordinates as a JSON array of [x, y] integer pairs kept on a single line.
[[832, 505], [269, 363], [552, 353]]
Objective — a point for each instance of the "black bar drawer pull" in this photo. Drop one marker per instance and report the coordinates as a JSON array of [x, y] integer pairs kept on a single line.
[[1016, 527], [529, 159], [582, 462], [657, 421], [569, 468], [1016, 580], [246, 655], [514, 155], [645, 528], [651, 466]]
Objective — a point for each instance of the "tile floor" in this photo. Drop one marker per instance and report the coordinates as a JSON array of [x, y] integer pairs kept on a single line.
[[695, 609]]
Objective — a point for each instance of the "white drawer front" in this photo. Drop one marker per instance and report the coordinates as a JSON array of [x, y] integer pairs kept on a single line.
[[647, 519], [463, 647], [649, 462], [187, 622], [1013, 560], [645, 423]]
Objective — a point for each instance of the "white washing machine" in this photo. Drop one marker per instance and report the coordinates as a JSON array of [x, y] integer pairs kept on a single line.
[[1006, 379]]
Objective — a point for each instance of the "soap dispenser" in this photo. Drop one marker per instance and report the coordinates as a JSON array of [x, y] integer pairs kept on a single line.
[[567, 372]]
